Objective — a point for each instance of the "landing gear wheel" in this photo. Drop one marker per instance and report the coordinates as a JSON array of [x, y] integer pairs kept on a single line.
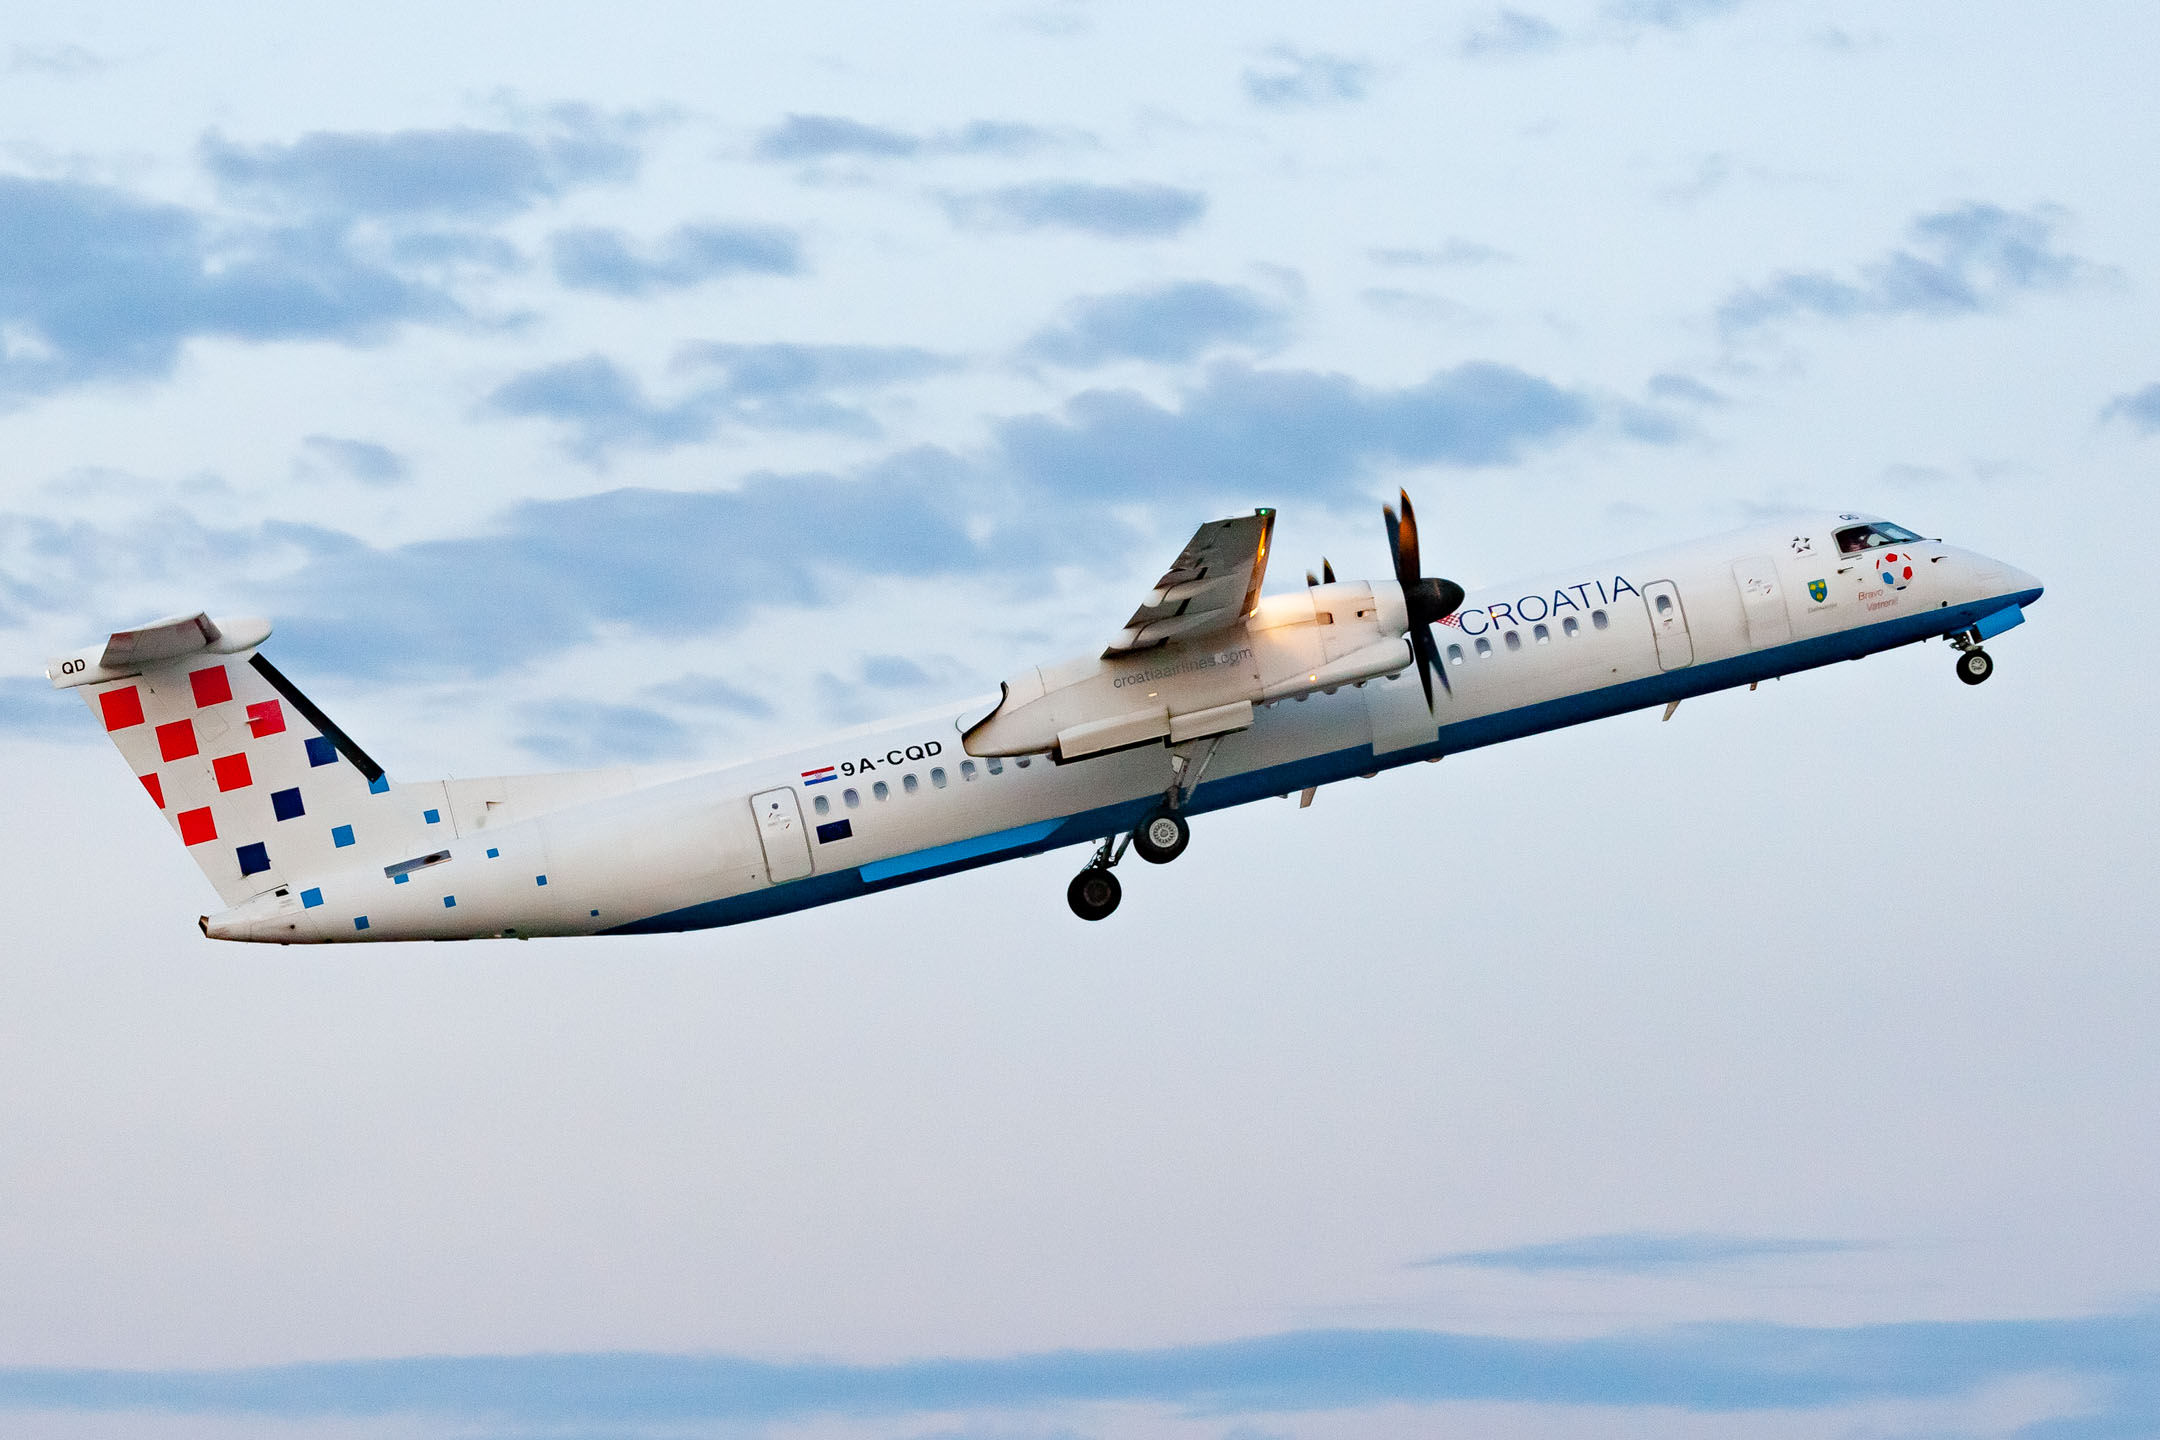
[[1974, 666], [1094, 893], [1162, 837]]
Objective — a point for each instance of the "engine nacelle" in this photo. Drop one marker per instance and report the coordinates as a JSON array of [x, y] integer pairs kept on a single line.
[[1290, 645]]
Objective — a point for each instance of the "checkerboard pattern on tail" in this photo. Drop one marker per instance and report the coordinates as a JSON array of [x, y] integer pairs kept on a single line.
[[263, 790]]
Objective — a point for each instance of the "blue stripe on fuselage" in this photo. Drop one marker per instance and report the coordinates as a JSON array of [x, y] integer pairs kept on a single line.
[[1091, 825]]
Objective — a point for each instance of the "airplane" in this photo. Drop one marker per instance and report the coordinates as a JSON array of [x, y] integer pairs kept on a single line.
[[1211, 695]]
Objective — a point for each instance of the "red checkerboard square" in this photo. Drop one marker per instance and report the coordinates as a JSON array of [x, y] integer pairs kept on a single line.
[[265, 717], [212, 687], [121, 708], [157, 791], [196, 826], [177, 740], [232, 772]]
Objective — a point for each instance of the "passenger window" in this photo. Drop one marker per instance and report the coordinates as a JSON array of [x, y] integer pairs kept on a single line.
[[937, 778], [1484, 648], [822, 805], [880, 791], [1022, 762], [850, 799], [1569, 628], [1597, 618], [1454, 654], [1514, 641], [909, 783], [967, 769], [1664, 603], [1544, 636], [997, 766]]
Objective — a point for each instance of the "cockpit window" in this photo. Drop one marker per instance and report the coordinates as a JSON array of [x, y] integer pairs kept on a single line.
[[1853, 540]]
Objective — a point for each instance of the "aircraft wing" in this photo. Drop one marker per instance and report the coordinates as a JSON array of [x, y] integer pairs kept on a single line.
[[1214, 584]]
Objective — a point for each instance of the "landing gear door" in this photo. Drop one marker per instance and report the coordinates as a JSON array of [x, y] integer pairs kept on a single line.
[[1668, 622], [780, 831], [1762, 600]]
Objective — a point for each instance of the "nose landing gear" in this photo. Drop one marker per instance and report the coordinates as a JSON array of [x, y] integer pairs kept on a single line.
[[1973, 663]]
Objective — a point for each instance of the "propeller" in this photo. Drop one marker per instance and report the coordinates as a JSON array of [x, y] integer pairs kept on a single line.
[[1426, 600], [1326, 575]]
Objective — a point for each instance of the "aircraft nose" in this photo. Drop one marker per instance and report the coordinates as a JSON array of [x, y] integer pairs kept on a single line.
[[2024, 584]]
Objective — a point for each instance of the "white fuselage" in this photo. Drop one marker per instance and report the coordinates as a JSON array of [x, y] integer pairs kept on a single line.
[[745, 841]]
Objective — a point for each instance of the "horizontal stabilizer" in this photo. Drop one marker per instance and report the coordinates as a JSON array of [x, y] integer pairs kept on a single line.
[[128, 652]]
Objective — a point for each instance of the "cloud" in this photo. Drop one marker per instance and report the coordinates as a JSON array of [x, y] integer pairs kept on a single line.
[[775, 386], [604, 404], [1455, 251], [825, 137], [710, 692], [1293, 78], [1721, 1368], [1162, 323], [1287, 432], [605, 260], [1511, 33], [1635, 1253], [1686, 389], [463, 172], [1972, 259], [32, 709], [547, 575], [852, 702], [62, 60], [585, 733], [362, 460], [98, 284], [669, 563], [1669, 14], [1417, 305], [810, 138], [1116, 212], [2139, 408], [448, 249]]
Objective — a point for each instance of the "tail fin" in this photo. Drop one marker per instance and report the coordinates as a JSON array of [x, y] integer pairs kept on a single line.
[[261, 787]]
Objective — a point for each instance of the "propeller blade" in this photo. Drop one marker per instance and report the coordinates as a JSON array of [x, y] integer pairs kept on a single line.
[[1406, 552], [1421, 644], [1311, 579], [1424, 600], [1327, 571]]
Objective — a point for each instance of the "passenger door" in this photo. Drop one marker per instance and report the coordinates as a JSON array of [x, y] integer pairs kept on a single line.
[[1668, 622], [780, 831], [1762, 601]]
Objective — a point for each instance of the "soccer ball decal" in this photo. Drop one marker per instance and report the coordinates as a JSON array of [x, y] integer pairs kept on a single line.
[[1895, 570]]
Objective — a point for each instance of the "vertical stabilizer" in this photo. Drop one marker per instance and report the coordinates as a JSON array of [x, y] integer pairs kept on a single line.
[[261, 787]]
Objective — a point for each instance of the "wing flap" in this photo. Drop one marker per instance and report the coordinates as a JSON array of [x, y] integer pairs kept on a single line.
[[1212, 585]]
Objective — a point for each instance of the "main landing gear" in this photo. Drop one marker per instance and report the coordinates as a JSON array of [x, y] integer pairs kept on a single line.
[[1162, 837], [1973, 663], [1159, 839]]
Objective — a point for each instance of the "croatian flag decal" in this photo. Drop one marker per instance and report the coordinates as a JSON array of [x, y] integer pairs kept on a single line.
[[818, 776]]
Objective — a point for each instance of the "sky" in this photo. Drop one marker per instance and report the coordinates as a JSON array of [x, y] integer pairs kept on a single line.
[[670, 384]]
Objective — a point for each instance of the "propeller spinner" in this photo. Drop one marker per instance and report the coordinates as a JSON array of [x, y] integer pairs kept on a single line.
[[1426, 599]]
